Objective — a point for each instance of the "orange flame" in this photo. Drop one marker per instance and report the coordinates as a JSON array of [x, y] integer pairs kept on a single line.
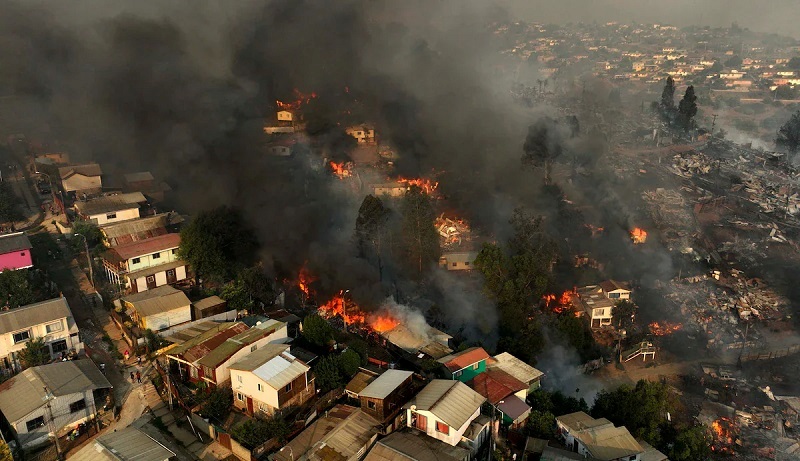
[[383, 322], [341, 169], [638, 235], [304, 280], [426, 185], [724, 432], [664, 328], [338, 306], [562, 303], [300, 99]]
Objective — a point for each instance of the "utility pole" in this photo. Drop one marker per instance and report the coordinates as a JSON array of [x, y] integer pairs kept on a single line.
[[713, 123], [50, 423]]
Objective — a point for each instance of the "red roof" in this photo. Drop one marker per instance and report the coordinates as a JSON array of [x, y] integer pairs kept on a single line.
[[147, 246], [465, 358], [496, 385], [201, 350]]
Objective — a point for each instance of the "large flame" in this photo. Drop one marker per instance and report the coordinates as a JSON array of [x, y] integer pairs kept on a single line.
[[304, 280], [340, 306], [724, 432], [560, 304], [383, 322], [451, 231], [638, 235], [341, 169], [426, 185], [300, 99], [664, 328]]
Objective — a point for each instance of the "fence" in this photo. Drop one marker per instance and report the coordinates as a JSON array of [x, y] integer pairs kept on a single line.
[[772, 354]]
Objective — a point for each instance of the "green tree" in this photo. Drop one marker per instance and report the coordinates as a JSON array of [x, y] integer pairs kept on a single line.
[[543, 145], [371, 232], [420, 239], [687, 108], [5, 452], [541, 424], [217, 404], [94, 236], [235, 293], [577, 334], [152, 340], [9, 204], [327, 373], [667, 104], [784, 92], [623, 314], [789, 135], [642, 409], [34, 354], [349, 361], [258, 285], [15, 289], [218, 243], [317, 330], [256, 431], [360, 347], [691, 444]]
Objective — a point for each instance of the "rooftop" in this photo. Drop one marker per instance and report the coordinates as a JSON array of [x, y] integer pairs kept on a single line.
[[147, 246], [603, 441], [25, 392], [211, 342], [360, 381], [463, 359], [132, 230], [34, 314], [385, 384], [613, 285], [131, 444], [110, 203], [158, 300], [152, 270], [86, 169], [451, 401], [515, 367], [208, 303], [225, 350], [413, 342], [338, 436], [414, 446], [195, 334], [138, 177], [273, 364], [495, 385], [14, 242]]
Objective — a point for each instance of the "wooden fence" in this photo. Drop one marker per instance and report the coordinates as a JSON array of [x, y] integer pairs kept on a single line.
[[772, 354]]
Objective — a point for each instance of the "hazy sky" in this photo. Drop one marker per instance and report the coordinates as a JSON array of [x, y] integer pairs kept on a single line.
[[781, 16]]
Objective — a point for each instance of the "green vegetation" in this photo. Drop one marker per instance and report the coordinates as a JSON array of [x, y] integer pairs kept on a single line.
[[34, 354], [349, 361], [9, 204], [217, 404], [691, 444], [317, 330], [789, 135], [420, 239], [5, 452], [687, 108], [218, 244], [642, 409], [90, 231], [15, 289], [623, 314], [546, 405], [255, 432]]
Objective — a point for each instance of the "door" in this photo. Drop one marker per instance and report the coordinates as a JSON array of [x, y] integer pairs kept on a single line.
[[171, 278], [249, 406], [151, 282], [422, 422], [225, 440]]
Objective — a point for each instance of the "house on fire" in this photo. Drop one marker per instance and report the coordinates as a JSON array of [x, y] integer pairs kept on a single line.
[[15, 252], [82, 179], [158, 309], [49, 320], [111, 208], [270, 379], [451, 412], [597, 301], [145, 264], [597, 438], [50, 398], [432, 343], [363, 134]]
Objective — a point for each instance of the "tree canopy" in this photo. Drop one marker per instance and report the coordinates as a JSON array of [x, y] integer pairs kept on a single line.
[[623, 314], [687, 108], [543, 145], [9, 204], [217, 404], [218, 243], [327, 373], [256, 431], [420, 239], [789, 135], [372, 232], [34, 354], [317, 330], [15, 289], [642, 409]]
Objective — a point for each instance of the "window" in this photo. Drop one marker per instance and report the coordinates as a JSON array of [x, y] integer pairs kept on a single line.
[[151, 278], [475, 366], [288, 387], [111, 216], [239, 397], [136, 260], [466, 263], [442, 427], [371, 404], [22, 254], [77, 406], [253, 347], [156, 255], [260, 388], [599, 312], [174, 251], [613, 295], [239, 378], [59, 346], [193, 372], [34, 423], [457, 374], [53, 327], [22, 336]]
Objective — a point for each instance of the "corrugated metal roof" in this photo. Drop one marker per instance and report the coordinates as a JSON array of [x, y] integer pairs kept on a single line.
[[225, 350], [138, 176], [411, 341], [110, 203], [612, 285], [273, 364], [195, 334], [14, 242], [86, 169], [130, 230], [200, 350], [385, 384], [514, 407], [207, 303], [131, 444], [496, 384], [147, 246], [25, 392], [347, 438], [451, 401], [34, 314], [360, 381], [314, 433], [156, 269], [604, 441], [158, 300], [516, 367], [463, 359], [415, 446]]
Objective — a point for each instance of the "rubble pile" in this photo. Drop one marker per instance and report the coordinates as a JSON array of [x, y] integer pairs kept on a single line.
[[670, 213], [688, 164], [452, 232]]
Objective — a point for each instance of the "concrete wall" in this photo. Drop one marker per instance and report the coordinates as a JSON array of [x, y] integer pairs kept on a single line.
[[145, 261], [165, 320], [161, 279], [103, 218]]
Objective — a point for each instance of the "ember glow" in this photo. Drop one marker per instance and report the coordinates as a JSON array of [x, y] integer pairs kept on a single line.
[[300, 99], [383, 322], [451, 231], [664, 328], [339, 306], [341, 169], [304, 280], [638, 235], [559, 304], [426, 185], [724, 432]]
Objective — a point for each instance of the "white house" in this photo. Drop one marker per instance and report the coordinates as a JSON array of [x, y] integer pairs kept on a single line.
[[54, 397], [270, 379], [50, 320], [615, 290], [145, 264], [81, 179], [159, 308], [444, 410], [597, 438], [598, 301], [111, 208], [458, 261]]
